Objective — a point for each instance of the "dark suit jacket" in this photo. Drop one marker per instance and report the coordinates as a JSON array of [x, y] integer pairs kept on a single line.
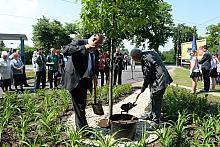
[[155, 73], [118, 61], [206, 61], [76, 65]]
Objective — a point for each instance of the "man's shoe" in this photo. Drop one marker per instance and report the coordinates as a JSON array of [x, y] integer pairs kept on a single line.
[[147, 118], [203, 90]]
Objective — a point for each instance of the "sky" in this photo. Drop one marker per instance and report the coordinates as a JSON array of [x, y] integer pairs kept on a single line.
[[18, 16]]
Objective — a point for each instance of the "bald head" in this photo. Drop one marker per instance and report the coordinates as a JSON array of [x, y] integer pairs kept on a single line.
[[136, 54]]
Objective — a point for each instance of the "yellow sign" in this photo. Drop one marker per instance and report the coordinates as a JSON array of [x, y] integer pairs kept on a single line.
[[187, 47]]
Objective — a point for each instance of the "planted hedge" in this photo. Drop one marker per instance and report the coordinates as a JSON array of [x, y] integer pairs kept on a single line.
[[37, 119]]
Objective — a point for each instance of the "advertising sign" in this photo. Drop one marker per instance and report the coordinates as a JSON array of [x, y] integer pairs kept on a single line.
[[187, 47]]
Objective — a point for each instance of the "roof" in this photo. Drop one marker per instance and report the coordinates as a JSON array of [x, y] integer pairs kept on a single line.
[[12, 36]]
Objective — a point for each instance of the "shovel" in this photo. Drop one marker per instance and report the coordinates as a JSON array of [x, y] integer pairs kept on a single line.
[[128, 106], [97, 107]]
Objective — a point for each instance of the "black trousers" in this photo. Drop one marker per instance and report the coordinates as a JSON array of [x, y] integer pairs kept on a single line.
[[52, 75], [156, 101], [117, 74], [106, 75], [102, 77], [205, 75], [40, 77], [79, 97]]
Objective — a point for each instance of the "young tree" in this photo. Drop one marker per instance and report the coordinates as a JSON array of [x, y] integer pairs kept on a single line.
[[116, 19]]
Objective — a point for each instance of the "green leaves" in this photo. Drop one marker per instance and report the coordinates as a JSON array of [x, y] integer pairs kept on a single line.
[[116, 19], [213, 37], [48, 34]]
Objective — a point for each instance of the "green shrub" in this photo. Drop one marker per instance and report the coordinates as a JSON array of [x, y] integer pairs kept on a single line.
[[179, 100], [103, 92]]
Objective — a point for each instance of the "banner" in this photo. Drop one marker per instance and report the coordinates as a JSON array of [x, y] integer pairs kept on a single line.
[[187, 47]]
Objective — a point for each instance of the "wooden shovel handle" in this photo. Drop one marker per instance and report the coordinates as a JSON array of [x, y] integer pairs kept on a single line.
[[95, 83], [137, 97]]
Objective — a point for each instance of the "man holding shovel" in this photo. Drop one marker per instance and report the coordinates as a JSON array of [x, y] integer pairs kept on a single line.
[[156, 77], [80, 70]]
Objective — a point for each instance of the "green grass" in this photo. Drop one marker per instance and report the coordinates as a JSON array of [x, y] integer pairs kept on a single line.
[[181, 77]]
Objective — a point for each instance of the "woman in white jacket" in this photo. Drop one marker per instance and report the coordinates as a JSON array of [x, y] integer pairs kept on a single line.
[[5, 71]]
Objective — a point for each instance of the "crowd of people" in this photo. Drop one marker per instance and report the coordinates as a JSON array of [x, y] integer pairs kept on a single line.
[[206, 69], [12, 70]]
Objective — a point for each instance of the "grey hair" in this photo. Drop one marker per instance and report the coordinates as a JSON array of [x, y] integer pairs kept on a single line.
[[101, 37], [135, 51], [4, 53]]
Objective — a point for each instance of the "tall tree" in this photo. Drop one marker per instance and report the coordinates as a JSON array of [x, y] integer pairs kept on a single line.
[[213, 32], [48, 34], [158, 29], [116, 19], [186, 33], [71, 28]]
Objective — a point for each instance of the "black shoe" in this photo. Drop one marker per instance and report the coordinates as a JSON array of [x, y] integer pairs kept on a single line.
[[147, 118], [203, 90]]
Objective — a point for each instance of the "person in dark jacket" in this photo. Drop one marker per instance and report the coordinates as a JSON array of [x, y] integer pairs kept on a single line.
[[156, 77], [80, 69], [118, 66], [206, 67]]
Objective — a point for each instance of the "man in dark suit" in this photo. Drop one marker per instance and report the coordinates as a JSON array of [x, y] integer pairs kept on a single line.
[[156, 77], [79, 71], [206, 67], [118, 66]]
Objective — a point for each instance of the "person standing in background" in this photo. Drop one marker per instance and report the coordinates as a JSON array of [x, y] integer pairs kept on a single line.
[[60, 66], [125, 61], [52, 62], [107, 66], [117, 66], [5, 71], [206, 67], [17, 70], [102, 66], [194, 70], [214, 73], [24, 73], [40, 68]]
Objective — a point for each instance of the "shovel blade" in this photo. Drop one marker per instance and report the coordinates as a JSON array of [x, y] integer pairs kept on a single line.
[[97, 109]]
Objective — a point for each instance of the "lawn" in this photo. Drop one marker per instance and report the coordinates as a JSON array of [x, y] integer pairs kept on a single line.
[[181, 77]]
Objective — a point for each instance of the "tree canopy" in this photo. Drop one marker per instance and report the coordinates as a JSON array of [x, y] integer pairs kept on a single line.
[[116, 19], [48, 34], [157, 29], [213, 32]]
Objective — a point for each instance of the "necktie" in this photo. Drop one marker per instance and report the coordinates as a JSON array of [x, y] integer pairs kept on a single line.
[[92, 70]]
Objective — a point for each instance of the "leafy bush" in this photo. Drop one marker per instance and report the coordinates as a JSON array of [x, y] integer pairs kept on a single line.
[[179, 100], [103, 92]]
